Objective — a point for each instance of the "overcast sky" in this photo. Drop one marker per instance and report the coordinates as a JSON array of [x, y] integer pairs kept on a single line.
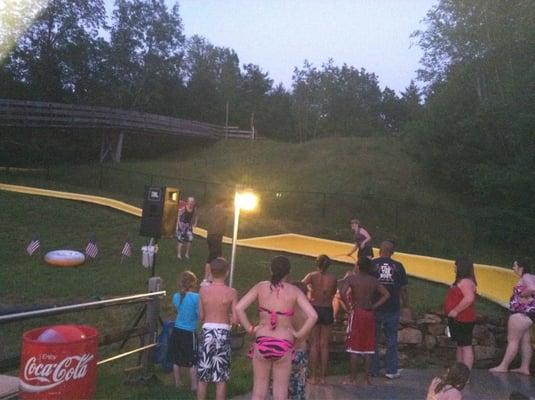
[[279, 35]]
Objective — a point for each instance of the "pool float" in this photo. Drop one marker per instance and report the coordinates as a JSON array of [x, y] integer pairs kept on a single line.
[[64, 258]]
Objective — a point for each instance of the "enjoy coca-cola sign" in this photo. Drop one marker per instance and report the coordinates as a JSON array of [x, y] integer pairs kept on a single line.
[[59, 362], [47, 372]]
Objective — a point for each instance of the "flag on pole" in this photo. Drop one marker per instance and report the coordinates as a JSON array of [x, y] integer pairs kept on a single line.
[[33, 246], [91, 250], [127, 249]]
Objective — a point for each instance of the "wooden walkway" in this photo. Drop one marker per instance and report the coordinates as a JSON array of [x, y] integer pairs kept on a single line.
[[110, 123]]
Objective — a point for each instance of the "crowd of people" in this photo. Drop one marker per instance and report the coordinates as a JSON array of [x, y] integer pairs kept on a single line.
[[290, 341]]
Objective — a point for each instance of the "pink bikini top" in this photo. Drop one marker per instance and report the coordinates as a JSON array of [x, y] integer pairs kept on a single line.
[[274, 315]]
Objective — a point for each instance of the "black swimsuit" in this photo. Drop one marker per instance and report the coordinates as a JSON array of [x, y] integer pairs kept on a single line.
[[325, 315]]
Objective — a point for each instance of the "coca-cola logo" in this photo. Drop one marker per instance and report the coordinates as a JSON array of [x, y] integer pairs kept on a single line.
[[51, 374]]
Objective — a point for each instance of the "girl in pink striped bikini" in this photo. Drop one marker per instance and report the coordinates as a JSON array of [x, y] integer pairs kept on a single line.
[[273, 349]]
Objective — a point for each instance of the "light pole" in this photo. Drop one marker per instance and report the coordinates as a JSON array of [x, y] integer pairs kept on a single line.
[[243, 200]]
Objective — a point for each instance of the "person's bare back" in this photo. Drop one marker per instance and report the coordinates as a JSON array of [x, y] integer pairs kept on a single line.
[[322, 288], [364, 289], [217, 303]]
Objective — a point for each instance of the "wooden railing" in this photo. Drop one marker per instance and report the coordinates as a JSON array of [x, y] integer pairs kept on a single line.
[[36, 114]]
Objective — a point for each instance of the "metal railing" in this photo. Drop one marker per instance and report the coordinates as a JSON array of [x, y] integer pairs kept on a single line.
[[46, 312], [147, 333]]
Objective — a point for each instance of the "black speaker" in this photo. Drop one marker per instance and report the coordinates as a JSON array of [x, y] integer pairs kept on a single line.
[[160, 211]]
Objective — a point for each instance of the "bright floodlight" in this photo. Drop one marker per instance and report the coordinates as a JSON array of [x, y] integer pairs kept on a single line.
[[246, 201]]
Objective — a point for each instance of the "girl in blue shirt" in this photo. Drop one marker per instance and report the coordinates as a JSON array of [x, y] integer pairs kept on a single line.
[[182, 349]]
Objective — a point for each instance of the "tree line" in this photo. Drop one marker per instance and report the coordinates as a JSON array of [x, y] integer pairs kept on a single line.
[[477, 132], [472, 127], [139, 59]]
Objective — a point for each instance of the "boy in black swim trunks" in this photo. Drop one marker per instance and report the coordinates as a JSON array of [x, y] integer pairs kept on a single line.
[[322, 285]]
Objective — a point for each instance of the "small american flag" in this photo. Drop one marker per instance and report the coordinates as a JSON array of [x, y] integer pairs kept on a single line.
[[91, 250], [33, 246], [127, 249]]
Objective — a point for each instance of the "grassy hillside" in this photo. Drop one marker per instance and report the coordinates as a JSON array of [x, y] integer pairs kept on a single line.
[[311, 188], [375, 166]]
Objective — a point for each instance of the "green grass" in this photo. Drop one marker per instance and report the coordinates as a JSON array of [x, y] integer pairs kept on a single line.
[[66, 224], [389, 191]]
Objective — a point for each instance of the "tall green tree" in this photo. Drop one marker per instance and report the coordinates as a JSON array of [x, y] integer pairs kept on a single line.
[[213, 78], [307, 104], [336, 101], [411, 103], [146, 56], [392, 113], [54, 56], [254, 88], [479, 63]]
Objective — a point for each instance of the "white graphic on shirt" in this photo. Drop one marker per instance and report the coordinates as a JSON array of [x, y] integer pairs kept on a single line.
[[385, 273]]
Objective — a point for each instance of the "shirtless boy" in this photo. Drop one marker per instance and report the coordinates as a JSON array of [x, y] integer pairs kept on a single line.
[[322, 286], [361, 325], [217, 303]]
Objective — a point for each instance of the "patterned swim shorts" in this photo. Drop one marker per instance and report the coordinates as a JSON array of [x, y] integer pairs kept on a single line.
[[184, 235], [214, 353], [298, 376]]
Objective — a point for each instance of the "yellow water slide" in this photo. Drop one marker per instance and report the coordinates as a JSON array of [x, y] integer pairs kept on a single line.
[[494, 283]]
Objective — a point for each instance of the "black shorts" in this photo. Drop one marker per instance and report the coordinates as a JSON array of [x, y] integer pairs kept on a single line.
[[366, 251], [215, 248], [461, 332], [182, 348], [325, 315], [530, 315]]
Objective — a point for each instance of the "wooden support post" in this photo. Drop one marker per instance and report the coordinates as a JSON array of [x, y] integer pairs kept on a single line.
[[119, 147], [100, 176], [103, 148], [153, 312]]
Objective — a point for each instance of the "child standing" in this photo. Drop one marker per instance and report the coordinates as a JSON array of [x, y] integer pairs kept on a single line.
[[217, 303], [298, 376], [182, 350], [364, 289]]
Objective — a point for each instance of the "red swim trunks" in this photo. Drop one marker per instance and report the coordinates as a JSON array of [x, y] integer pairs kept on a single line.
[[361, 332]]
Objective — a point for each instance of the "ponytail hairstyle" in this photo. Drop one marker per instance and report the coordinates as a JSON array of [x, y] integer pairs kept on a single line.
[[456, 376], [280, 267], [465, 269], [323, 262], [186, 281]]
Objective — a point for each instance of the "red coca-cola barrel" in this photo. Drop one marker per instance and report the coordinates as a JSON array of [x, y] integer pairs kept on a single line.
[[59, 362]]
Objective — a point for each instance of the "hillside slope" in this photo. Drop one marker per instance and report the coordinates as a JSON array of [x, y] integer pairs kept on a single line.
[[374, 166], [316, 187], [312, 188]]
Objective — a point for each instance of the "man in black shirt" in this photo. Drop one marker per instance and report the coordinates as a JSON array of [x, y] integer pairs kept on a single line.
[[391, 274]]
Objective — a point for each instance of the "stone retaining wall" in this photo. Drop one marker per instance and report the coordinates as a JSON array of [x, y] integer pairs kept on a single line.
[[423, 341]]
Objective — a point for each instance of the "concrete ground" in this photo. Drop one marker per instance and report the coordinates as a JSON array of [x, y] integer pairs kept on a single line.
[[413, 385]]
